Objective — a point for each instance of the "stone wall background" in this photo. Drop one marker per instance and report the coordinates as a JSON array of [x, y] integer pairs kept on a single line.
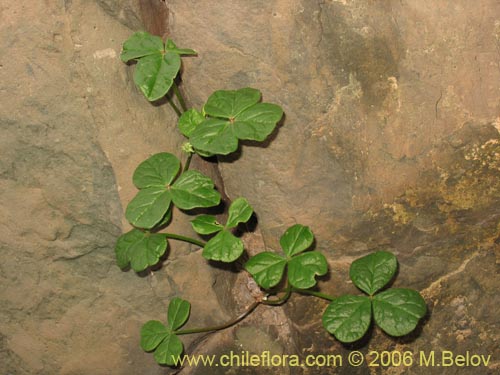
[[390, 141]]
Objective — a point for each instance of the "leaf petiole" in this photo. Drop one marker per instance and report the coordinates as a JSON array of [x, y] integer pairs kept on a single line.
[[188, 162], [281, 300], [179, 96], [313, 293], [174, 107], [185, 239], [222, 326]]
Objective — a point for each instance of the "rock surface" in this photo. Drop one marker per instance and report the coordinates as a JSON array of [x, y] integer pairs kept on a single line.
[[73, 127], [390, 140]]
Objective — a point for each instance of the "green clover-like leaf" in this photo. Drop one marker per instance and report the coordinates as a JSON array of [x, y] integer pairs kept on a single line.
[[303, 268], [206, 224], [141, 44], [234, 115], [189, 120], [139, 249], [158, 170], [224, 247], [240, 211], [397, 311], [348, 317], [266, 268], [296, 239], [372, 272], [169, 351], [163, 340], [148, 207], [178, 313], [193, 189], [157, 65], [152, 334]]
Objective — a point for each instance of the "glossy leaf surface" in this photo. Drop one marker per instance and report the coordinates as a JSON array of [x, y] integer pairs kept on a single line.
[[266, 268], [154, 74], [178, 313], [152, 334], [224, 247], [148, 207], [139, 249], [303, 269], [296, 239], [240, 211], [235, 114], [372, 272], [397, 311], [189, 120], [141, 44], [348, 317], [206, 224], [169, 350], [215, 136], [158, 170], [229, 103], [193, 189]]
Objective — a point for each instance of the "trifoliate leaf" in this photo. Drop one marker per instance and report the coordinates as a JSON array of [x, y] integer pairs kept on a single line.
[[158, 170], [235, 115], [206, 224], [224, 247], [240, 211], [266, 268], [178, 313], [296, 239], [348, 317], [372, 272], [303, 268], [397, 311]]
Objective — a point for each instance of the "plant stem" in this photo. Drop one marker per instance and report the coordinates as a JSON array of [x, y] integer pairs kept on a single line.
[[172, 104], [222, 326], [179, 97], [313, 293], [281, 300], [188, 161], [185, 239]]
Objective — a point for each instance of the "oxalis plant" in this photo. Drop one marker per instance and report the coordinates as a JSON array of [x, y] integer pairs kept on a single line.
[[227, 117]]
